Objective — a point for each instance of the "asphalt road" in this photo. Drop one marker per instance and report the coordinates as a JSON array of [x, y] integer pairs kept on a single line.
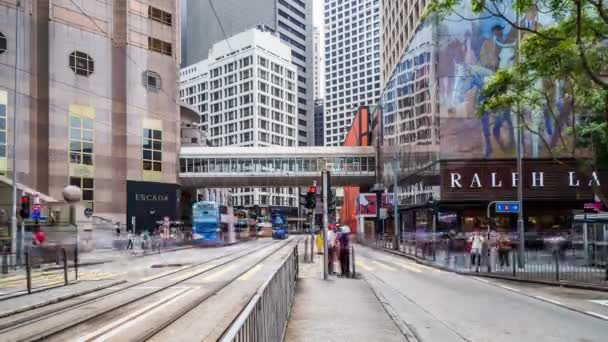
[[442, 306]]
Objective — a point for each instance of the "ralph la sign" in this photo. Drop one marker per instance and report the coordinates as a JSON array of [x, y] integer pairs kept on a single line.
[[536, 179]]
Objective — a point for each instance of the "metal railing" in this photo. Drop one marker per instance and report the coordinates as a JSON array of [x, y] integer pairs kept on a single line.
[[265, 317], [560, 264]]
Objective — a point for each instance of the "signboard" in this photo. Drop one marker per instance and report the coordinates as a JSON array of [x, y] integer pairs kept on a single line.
[[36, 207], [594, 207], [367, 203], [509, 207]]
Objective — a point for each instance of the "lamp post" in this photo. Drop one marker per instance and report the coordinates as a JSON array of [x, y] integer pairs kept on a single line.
[[14, 144], [72, 194]]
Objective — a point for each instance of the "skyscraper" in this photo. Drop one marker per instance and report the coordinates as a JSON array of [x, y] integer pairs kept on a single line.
[[352, 62], [317, 43], [290, 19], [246, 91]]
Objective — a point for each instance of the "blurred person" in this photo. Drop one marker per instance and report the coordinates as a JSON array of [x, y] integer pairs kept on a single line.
[[117, 224], [504, 247], [331, 249], [344, 253], [130, 238], [477, 241]]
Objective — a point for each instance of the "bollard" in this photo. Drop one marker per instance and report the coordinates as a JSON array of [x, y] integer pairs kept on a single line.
[[513, 262], [556, 266], [352, 253], [306, 250], [28, 272], [76, 263], [65, 266], [4, 263]]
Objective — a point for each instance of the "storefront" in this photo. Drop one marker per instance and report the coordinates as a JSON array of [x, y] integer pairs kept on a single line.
[[149, 202], [553, 193]]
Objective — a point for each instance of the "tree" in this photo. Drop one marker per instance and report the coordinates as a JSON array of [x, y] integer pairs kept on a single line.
[[573, 51]]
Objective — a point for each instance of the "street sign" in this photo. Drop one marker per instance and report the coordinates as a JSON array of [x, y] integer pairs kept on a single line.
[[510, 207], [88, 212], [36, 209]]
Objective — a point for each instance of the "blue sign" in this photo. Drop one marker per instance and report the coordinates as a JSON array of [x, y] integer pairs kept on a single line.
[[35, 215], [507, 207]]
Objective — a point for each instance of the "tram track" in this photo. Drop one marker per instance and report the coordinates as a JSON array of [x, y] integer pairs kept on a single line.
[[39, 316], [98, 328]]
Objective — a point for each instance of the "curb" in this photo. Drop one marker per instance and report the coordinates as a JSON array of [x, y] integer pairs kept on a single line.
[[496, 276], [60, 299]]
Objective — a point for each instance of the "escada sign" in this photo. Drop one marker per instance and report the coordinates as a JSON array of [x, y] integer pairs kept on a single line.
[[152, 197], [537, 180]]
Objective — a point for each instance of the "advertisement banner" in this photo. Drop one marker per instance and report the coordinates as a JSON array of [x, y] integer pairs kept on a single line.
[[368, 207]]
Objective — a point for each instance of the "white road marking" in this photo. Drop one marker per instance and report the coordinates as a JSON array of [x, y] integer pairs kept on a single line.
[[600, 301], [509, 288], [597, 315], [115, 327], [484, 280], [549, 300]]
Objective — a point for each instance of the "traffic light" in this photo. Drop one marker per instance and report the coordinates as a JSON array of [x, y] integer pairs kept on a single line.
[[311, 200], [25, 207], [331, 200]]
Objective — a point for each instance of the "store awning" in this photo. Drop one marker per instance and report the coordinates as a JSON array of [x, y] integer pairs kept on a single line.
[[7, 183]]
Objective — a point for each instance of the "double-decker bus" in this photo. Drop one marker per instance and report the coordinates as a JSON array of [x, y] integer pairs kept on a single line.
[[206, 222], [279, 225]]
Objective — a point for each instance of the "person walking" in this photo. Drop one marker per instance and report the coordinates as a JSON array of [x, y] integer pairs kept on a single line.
[[117, 225], [331, 249], [130, 238], [477, 241], [504, 247], [344, 252]]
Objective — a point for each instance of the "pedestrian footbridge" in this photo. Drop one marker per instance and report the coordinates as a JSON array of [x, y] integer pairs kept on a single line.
[[275, 166]]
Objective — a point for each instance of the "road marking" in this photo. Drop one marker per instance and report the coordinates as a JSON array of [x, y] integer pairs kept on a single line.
[[251, 272], [409, 267], [218, 273], [109, 330], [597, 315], [600, 301], [385, 266], [364, 265], [484, 280], [549, 300], [509, 288]]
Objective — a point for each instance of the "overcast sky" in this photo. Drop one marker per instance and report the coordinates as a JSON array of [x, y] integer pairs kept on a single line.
[[317, 14]]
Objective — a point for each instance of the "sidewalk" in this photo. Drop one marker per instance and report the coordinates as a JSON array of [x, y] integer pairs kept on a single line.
[[339, 309]]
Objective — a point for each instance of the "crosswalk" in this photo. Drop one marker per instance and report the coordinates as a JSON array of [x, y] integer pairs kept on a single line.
[[371, 265]]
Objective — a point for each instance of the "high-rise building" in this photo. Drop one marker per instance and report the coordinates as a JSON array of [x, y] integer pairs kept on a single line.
[[211, 21], [97, 104], [399, 23], [319, 118], [352, 62], [318, 68], [246, 91]]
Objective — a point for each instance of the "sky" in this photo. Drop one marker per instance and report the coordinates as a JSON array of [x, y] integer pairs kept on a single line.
[[317, 13]]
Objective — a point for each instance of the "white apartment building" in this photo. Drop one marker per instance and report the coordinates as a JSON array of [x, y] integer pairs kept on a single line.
[[352, 63], [246, 92]]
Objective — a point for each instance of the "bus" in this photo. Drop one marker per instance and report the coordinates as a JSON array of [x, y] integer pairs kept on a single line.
[[206, 222], [279, 226]]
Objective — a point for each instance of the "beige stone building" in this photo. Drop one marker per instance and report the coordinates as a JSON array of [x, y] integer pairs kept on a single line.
[[97, 103], [400, 18]]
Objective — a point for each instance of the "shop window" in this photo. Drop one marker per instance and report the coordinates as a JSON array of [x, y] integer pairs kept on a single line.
[[81, 63], [151, 80], [2, 43], [87, 185], [160, 46], [152, 150], [159, 15], [81, 140]]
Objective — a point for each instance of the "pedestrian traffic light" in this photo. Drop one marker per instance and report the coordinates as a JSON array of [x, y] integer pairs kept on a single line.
[[25, 207], [311, 200]]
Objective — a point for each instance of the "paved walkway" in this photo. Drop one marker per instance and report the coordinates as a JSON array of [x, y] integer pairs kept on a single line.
[[338, 309]]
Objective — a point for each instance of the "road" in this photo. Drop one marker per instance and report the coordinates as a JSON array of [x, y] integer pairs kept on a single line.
[[443, 306], [196, 300]]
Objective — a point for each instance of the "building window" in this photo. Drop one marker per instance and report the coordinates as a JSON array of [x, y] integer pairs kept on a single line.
[[160, 46], [81, 140], [151, 80], [159, 15], [2, 43], [152, 150], [87, 185], [81, 63]]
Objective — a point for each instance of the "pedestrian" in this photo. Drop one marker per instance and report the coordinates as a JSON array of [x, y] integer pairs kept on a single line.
[[331, 249], [504, 247], [476, 249], [344, 253], [130, 238], [117, 229]]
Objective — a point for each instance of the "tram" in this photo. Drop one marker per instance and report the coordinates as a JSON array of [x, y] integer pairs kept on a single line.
[[279, 226], [206, 222]]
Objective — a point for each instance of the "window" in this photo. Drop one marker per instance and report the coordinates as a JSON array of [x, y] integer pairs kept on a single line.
[[160, 46], [159, 15], [2, 43], [81, 140], [2, 130], [151, 80], [87, 185], [152, 150], [81, 63]]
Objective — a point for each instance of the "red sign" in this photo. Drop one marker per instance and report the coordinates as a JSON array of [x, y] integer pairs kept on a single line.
[[367, 205], [596, 206]]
